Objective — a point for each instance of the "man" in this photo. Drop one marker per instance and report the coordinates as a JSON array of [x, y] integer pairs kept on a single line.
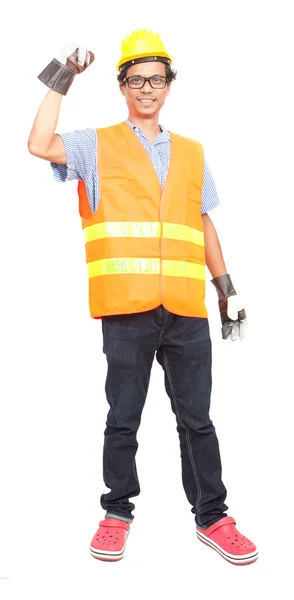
[[144, 194]]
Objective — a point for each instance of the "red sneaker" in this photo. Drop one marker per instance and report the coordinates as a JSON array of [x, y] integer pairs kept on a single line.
[[223, 537], [110, 539]]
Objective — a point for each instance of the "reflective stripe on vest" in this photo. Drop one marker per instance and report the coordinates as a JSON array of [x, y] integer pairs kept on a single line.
[[172, 231], [145, 266], [141, 228]]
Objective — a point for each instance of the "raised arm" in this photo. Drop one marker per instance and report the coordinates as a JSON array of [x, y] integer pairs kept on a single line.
[[43, 142], [58, 76]]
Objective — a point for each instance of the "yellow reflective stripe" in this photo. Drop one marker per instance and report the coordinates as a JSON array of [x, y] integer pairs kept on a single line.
[[121, 229], [173, 231], [178, 268], [117, 266], [145, 266]]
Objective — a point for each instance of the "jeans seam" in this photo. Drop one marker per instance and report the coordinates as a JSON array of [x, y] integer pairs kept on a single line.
[[135, 473], [189, 445]]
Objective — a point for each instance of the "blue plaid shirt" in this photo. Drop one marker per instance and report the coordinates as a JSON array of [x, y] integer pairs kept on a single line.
[[81, 155]]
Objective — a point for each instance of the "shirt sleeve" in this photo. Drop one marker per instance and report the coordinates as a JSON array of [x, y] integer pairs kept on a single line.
[[210, 197], [80, 149]]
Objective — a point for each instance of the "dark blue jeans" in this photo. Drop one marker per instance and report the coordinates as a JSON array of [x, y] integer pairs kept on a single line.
[[182, 346]]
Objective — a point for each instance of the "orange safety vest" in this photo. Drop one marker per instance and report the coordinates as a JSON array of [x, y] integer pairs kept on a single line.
[[144, 244]]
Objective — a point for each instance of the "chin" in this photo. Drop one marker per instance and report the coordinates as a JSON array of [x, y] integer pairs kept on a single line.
[[147, 111]]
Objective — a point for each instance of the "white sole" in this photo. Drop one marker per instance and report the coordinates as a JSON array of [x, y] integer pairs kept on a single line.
[[111, 555], [235, 560]]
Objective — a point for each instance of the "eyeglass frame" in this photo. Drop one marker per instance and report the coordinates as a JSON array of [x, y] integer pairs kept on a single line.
[[126, 79]]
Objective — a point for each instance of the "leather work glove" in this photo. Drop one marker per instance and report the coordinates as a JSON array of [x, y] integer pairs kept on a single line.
[[233, 317], [60, 72]]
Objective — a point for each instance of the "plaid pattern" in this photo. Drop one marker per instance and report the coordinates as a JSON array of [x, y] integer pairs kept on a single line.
[[80, 147]]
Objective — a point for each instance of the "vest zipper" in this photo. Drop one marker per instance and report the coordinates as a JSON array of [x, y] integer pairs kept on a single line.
[[161, 241]]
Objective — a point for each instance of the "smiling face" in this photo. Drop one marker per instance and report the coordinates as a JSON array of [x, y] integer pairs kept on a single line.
[[147, 101]]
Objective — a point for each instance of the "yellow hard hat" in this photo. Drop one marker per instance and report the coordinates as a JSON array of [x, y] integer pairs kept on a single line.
[[141, 46]]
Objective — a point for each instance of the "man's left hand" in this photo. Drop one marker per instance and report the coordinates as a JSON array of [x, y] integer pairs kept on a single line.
[[233, 316]]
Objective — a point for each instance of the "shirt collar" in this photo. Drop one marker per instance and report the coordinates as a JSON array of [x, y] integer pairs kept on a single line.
[[164, 135]]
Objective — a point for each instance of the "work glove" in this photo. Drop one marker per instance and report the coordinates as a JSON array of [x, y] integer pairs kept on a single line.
[[61, 71], [233, 316]]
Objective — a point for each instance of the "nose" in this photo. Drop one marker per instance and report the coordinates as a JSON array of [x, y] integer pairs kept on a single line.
[[149, 88]]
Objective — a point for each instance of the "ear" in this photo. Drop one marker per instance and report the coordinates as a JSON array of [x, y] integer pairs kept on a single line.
[[122, 88], [168, 88]]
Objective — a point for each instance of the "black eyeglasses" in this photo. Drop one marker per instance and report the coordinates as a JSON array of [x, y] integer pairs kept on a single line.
[[137, 81]]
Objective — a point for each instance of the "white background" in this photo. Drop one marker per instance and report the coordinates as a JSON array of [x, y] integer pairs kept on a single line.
[[234, 94]]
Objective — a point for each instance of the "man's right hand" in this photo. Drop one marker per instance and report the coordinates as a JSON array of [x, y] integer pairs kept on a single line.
[[61, 71]]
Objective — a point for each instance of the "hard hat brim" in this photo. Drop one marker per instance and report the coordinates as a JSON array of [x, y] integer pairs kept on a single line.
[[125, 63]]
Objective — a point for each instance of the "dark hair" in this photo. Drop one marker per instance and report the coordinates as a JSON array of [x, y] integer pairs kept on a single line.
[[170, 74]]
